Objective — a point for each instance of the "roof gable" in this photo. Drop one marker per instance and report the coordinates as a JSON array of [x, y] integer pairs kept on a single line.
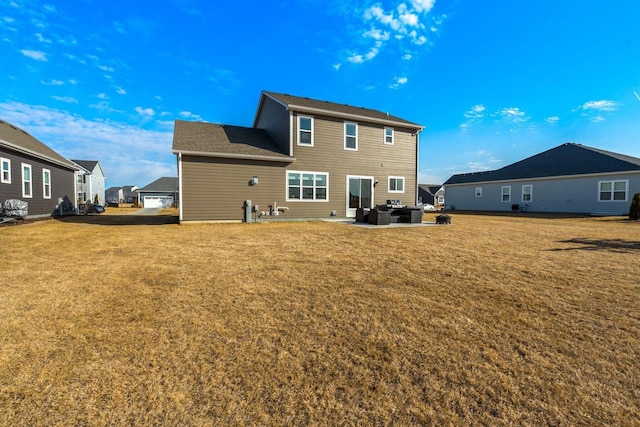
[[17, 139], [215, 140], [89, 165], [314, 106], [565, 160], [164, 184]]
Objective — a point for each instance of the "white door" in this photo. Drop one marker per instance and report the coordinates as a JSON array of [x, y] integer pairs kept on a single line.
[[359, 193]]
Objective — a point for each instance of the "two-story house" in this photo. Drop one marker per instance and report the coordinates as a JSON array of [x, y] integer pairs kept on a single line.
[[302, 158], [90, 182], [34, 173]]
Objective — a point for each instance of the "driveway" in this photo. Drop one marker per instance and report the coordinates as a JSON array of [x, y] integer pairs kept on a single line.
[[147, 211]]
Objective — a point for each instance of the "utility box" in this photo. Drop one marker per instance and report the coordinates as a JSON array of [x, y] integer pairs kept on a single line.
[[247, 211]]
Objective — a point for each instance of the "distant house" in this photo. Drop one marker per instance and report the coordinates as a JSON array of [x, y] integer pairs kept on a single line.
[[90, 181], [303, 158], [161, 193], [32, 172], [432, 194], [126, 194], [571, 178]]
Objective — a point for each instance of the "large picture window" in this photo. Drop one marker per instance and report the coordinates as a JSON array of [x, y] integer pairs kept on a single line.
[[46, 183], [307, 186], [350, 136], [305, 130], [613, 191], [27, 188], [5, 171], [527, 193], [396, 184], [506, 194]]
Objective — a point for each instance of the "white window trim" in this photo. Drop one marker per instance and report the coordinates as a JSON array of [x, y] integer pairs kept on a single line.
[[393, 136], [286, 177], [345, 136], [299, 130], [613, 181], [2, 162], [44, 184], [530, 193], [502, 194], [24, 165], [478, 191], [396, 178]]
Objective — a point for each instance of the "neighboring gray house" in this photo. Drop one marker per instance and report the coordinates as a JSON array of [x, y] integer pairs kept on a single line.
[[90, 181], [32, 172], [570, 178], [161, 193], [303, 158], [126, 194], [432, 194]]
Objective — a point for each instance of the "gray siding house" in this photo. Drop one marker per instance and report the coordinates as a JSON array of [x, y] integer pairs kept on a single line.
[[302, 158], [32, 172], [90, 181], [570, 178], [161, 193]]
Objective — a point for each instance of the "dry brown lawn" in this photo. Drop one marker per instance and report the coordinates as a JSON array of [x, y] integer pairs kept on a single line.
[[489, 321]]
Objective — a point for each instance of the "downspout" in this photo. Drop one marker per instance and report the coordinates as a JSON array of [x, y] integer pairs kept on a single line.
[[181, 194], [417, 189]]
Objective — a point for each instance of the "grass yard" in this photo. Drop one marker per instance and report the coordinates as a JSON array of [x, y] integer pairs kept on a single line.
[[490, 321]]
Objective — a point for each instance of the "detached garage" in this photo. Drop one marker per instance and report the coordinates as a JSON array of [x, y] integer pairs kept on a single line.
[[161, 193]]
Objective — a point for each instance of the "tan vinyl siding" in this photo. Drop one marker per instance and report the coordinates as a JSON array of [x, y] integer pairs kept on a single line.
[[215, 189], [373, 158], [274, 119]]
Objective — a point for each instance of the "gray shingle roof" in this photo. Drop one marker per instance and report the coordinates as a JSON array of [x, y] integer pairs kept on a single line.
[[17, 139], [307, 104], [164, 184], [224, 141], [564, 160], [87, 164]]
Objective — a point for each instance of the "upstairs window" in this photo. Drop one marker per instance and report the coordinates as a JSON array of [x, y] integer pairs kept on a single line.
[[478, 191], [527, 193], [350, 136], [613, 191], [5, 171], [396, 184], [46, 183], [307, 186], [305, 130], [26, 181], [388, 135], [506, 194]]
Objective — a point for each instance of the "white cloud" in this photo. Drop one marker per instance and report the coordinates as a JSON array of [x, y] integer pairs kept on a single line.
[[423, 5], [145, 111], [597, 119], [67, 99], [512, 114], [398, 81], [42, 39], [552, 119], [603, 105], [52, 82], [407, 56], [148, 151], [476, 112], [121, 91], [34, 54], [106, 68], [377, 34], [102, 96], [190, 115], [337, 66], [355, 59]]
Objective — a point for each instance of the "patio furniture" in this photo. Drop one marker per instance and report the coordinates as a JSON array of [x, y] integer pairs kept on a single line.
[[379, 216], [362, 215]]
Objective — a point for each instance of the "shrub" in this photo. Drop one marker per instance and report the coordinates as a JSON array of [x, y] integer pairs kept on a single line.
[[634, 210]]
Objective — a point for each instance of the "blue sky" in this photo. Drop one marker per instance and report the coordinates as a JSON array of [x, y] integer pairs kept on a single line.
[[493, 82]]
